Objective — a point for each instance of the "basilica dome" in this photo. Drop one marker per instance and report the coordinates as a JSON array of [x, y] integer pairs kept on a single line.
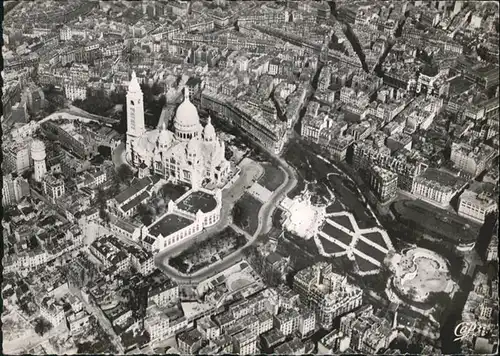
[[187, 121]]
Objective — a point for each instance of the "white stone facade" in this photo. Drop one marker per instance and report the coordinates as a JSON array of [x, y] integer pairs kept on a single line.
[[200, 220], [190, 154]]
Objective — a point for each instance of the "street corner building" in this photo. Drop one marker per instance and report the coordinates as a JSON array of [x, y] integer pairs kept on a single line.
[[191, 154]]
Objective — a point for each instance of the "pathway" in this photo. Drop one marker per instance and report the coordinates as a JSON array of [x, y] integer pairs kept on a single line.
[[250, 171], [264, 225]]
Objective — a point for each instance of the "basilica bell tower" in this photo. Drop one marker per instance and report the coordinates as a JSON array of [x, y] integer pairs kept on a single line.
[[135, 115]]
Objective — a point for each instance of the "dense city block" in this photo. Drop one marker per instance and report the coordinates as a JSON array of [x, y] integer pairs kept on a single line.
[[250, 177]]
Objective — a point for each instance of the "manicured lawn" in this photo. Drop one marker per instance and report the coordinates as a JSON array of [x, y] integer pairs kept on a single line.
[[273, 177], [246, 213], [330, 247], [336, 233], [334, 208], [352, 202], [364, 265], [370, 251], [342, 220], [376, 237]]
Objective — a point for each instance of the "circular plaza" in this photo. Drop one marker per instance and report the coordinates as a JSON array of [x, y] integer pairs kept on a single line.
[[418, 272]]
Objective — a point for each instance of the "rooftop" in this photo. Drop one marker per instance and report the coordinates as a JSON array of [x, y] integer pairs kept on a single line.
[[190, 336], [198, 200], [125, 225], [169, 224], [443, 178], [133, 189], [136, 201], [481, 194]]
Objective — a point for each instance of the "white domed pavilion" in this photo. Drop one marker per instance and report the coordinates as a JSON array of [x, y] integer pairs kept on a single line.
[[190, 154]]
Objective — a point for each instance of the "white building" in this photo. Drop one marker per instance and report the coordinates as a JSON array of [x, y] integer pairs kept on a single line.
[[53, 187], [477, 202], [13, 189], [470, 159], [191, 154], [165, 294], [492, 251], [432, 192], [307, 323], [65, 33], [18, 156], [180, 222], [52, 312], [328, 293]]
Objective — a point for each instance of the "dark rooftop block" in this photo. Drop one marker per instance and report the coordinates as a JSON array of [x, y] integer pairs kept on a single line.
[[136, 201], [135, 188], [198, 201], [169, 224]]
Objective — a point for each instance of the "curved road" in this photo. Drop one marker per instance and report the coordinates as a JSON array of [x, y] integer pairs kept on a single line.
[[264, 225]]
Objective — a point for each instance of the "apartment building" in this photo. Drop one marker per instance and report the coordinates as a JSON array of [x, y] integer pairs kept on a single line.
[[383, 183], [476, 202], [470, 159], [329, 294]]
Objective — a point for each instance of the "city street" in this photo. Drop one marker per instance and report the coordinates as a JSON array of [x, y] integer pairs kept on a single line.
[[37, 195], [105, 325]]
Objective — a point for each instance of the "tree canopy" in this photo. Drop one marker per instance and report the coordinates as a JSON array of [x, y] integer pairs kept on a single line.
[[124, 174], [42, 326], [97, 102]]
